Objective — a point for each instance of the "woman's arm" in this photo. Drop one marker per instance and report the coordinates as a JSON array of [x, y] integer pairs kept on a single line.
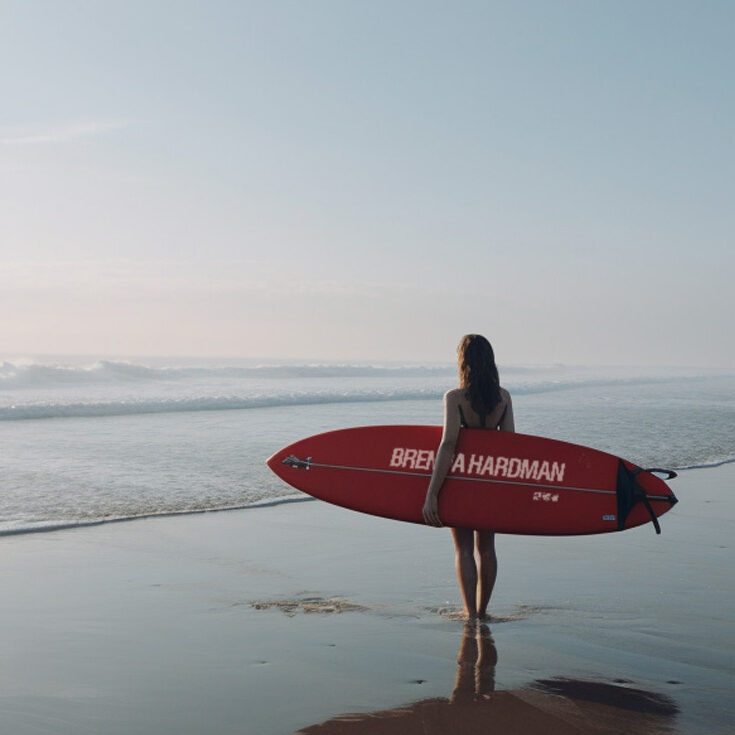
[[444, 457]]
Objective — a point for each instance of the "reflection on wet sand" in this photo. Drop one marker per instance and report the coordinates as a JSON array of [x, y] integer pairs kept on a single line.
[[475, 665], [558, 706]]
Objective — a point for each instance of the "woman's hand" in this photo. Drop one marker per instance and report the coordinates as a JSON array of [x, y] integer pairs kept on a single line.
[[431, 511]]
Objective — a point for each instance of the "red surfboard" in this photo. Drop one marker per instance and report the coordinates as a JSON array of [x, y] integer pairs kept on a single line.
[[499, 481]]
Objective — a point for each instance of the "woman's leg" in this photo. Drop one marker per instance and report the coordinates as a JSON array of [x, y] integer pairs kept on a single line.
[[464, 548], [488, 568]]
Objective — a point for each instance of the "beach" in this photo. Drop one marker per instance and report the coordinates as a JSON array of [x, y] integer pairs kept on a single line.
[[228, 227], [288, 618]]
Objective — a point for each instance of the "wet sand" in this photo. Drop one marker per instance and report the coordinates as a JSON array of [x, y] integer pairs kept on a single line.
[[307, 617]]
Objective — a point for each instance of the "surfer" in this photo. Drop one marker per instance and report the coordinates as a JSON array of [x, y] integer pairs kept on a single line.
[[478, 403]]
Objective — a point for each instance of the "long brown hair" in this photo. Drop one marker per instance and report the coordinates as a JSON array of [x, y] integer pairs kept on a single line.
[[478, 374]]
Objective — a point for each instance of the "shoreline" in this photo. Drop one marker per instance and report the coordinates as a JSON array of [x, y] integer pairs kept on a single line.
[[75, 525], [272, 620]]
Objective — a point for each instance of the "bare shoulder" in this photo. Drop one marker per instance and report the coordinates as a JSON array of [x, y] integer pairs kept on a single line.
[[505, 399], [453, 396]]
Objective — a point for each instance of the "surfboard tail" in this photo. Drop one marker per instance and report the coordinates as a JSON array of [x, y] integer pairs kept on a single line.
[[630, 493]]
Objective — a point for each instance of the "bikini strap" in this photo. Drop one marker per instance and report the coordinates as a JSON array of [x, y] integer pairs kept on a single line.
[[463, 421]]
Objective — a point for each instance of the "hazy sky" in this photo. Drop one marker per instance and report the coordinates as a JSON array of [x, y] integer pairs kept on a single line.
[[369, 180]]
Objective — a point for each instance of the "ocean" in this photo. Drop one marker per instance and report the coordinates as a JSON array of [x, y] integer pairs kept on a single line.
[[84, 442]]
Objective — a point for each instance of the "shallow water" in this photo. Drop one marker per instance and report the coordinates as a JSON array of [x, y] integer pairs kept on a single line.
[[115, 440]]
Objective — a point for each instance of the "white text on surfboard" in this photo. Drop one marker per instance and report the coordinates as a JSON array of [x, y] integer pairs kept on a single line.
[[481, 465]]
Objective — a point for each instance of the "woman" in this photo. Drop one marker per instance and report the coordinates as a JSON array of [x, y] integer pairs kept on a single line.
[[478, 403]]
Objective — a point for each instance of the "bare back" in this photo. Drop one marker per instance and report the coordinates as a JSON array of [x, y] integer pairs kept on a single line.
[[501, 417]]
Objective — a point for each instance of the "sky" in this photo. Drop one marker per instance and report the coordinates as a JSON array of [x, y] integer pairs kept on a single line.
[[346, 180]]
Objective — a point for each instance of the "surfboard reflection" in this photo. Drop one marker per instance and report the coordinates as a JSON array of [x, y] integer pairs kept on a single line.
[[559, 705]]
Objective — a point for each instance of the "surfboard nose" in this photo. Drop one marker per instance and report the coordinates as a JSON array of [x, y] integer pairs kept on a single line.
[[275, 461], [285, 458]]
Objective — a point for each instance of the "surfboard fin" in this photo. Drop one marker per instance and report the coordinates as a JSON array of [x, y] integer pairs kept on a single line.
[[629, 493]]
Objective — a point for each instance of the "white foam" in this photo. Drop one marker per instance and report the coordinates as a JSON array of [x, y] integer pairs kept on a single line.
[[23, 527]]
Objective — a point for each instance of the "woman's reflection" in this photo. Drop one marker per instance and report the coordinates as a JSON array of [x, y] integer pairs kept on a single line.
[[559, 705], [475, 664]]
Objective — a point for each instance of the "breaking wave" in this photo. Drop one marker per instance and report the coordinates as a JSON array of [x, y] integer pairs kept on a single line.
[[109, 388], [204, 403], [104, 372]]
